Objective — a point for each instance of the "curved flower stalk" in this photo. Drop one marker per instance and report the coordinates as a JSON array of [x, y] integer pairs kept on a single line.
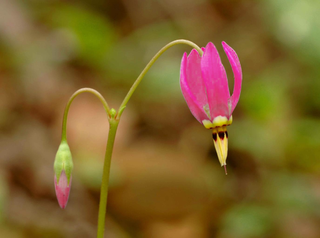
[[63, 163], [204, 85]]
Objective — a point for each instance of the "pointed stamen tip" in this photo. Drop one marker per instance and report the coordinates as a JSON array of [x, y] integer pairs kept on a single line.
[[225, 169]]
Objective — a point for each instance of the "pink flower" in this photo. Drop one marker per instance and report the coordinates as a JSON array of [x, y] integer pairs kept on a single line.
[[62, 189], [204, 85]]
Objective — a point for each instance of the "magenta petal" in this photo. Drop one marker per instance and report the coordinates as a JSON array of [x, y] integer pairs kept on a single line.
[[194, 78], [236, 68], [62, 189], [192, 85], [216, 82]]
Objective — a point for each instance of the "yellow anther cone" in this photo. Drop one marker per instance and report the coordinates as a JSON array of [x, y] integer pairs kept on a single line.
[[220, 140]]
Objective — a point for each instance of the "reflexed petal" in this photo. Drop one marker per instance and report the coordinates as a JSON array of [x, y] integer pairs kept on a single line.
[[192, 85], [194, 78], [215, 79], [62, 189], [236, 68]]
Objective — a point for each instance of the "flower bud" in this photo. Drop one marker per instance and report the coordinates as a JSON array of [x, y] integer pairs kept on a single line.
[[63, 166]]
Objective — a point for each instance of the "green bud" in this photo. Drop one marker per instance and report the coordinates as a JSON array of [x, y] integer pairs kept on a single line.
[[113, 113], [63, 161]]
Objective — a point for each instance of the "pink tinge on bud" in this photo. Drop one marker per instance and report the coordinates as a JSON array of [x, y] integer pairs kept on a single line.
[[62, 189]]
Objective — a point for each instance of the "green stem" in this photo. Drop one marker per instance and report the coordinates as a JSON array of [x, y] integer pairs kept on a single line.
[[105, 177], [107, 161], [148, 66], [65, 116], [114, 118]]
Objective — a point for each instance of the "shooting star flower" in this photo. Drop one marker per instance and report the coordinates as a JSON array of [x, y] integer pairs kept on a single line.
[[204, 85]]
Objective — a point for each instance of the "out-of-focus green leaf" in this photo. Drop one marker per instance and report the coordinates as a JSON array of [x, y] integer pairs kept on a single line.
[[264, 98], [296, 24], [290, 191], [263, 141], [128, 58], [246, 221], [93, 34], [304, 144], [162, 83]]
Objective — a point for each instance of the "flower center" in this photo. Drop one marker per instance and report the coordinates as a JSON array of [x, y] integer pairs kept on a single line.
[[218, 121]]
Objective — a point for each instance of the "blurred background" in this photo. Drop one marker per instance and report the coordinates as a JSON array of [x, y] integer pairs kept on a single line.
[[166, 180]]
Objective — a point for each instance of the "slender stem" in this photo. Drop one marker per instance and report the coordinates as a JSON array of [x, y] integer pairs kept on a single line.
[[105, 177], [148, 66], [114, 118], [107, 162], [65, 116]]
